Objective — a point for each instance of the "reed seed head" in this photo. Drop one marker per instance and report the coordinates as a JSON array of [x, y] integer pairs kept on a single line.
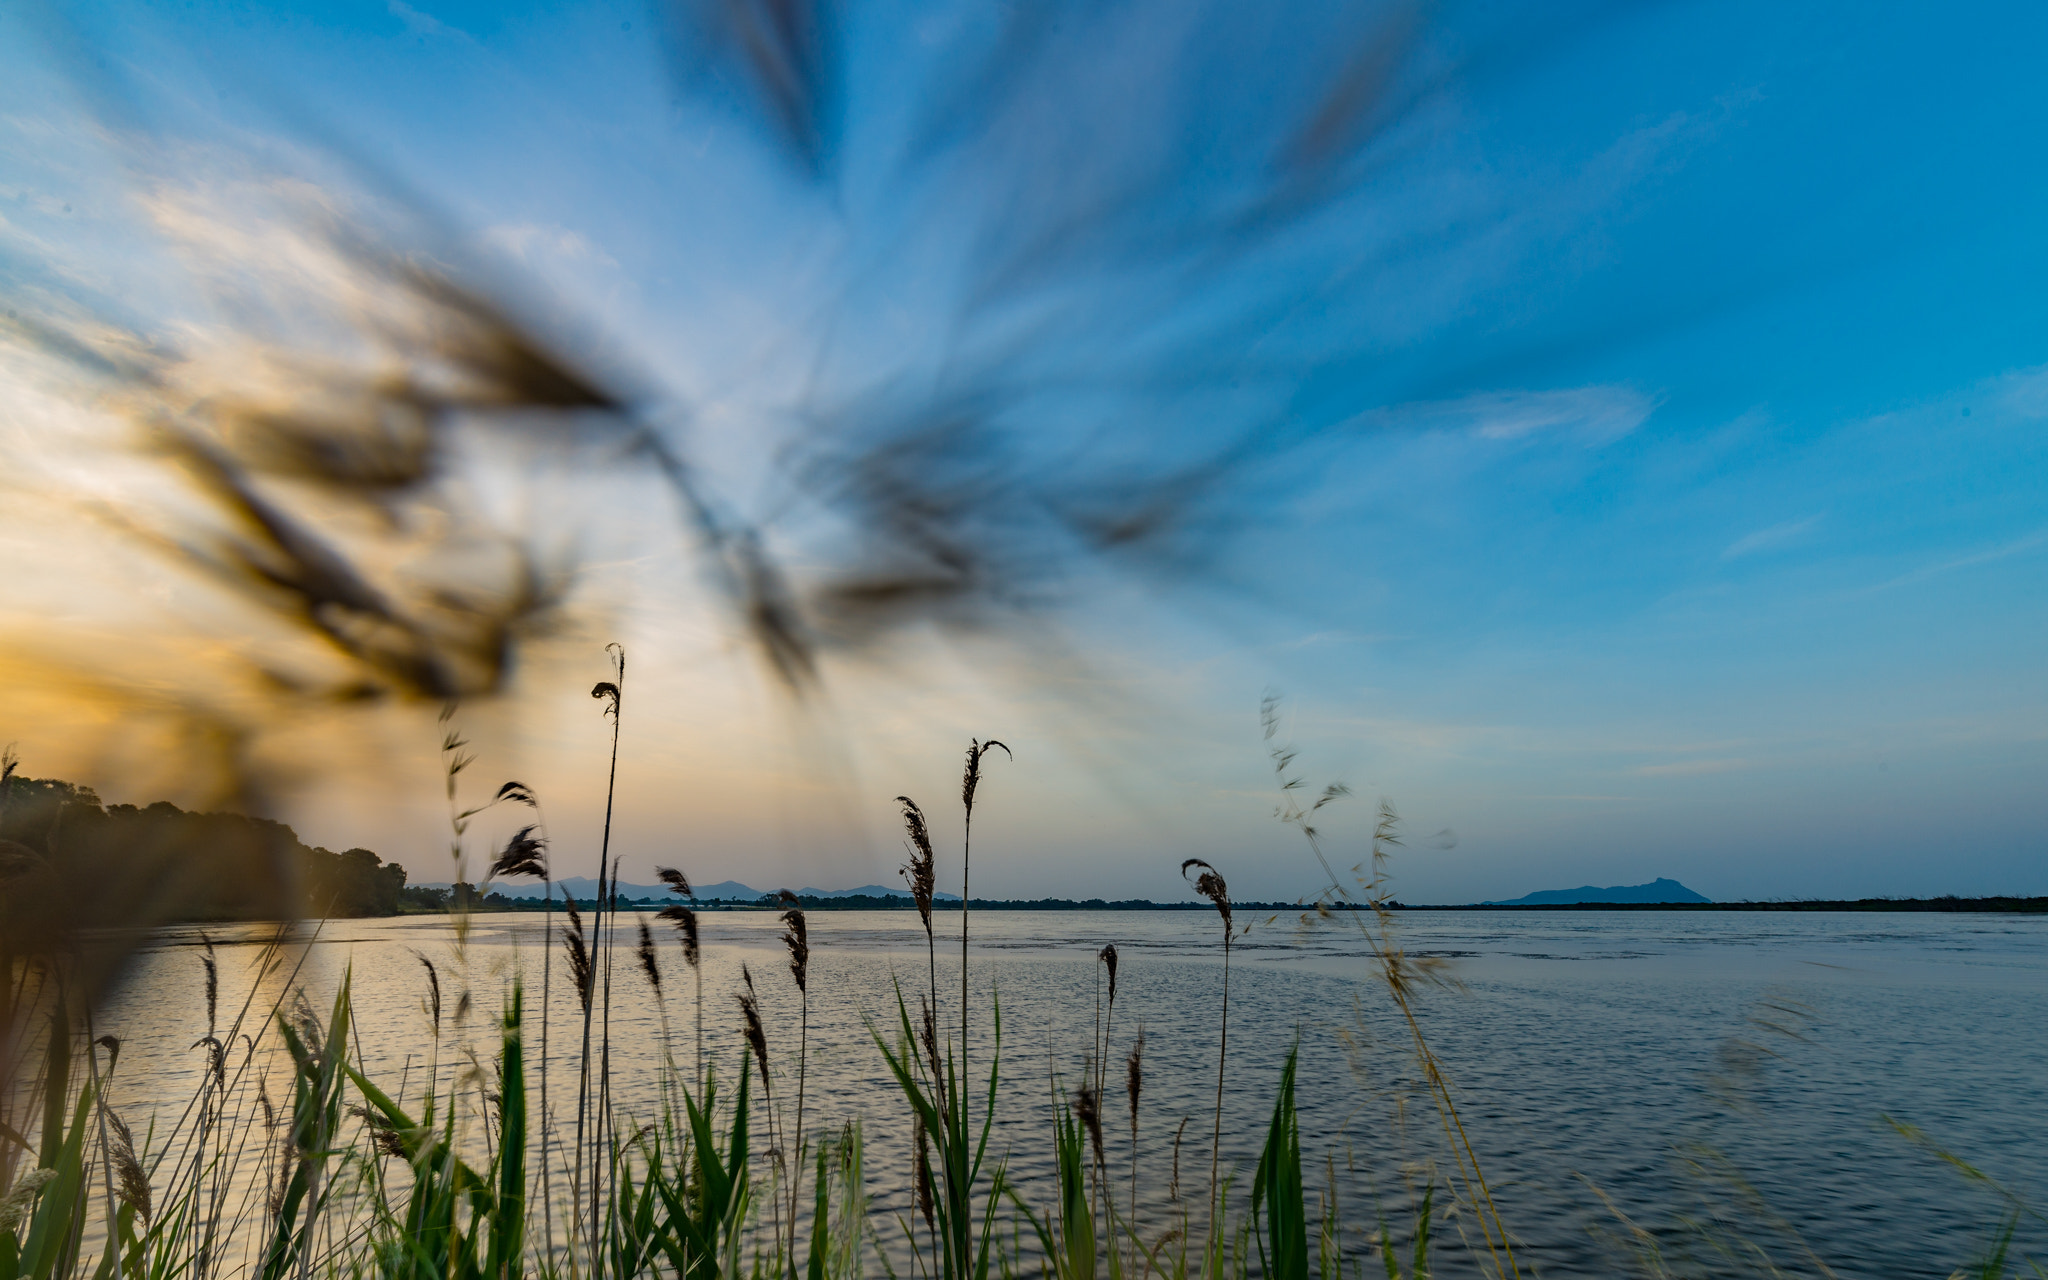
[[921, 870], [579, 953], [1134, 1078], [797, 938], [216, 1053], [645, 951], [750, 1010], [112, 1044], [525, 854], [1173, 1187], [517, 793], [1108, 957], [16, 1204], [685, 921], [1210, 885], [607, 692], [433, 992], [925, 1199], [131, 1185], [970, 778], [212, 982], [1089, 1109], [677, 882]]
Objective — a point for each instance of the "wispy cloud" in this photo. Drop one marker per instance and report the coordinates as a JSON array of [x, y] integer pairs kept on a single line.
[[2026, 393], [1596, 414], [1691, 768], [531, 242], [424, 24], [1769, 539], [2018, 546]]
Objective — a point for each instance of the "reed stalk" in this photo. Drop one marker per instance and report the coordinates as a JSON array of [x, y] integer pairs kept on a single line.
[[796, 938], [1397, 971], [684, 919], [1210, 885], [610, 694], [970, 782]]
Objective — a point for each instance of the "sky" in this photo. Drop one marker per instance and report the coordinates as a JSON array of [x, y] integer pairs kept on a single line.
[[1645, 414]]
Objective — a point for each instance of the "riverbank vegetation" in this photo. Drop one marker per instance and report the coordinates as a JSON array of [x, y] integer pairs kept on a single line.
[[72, 862]]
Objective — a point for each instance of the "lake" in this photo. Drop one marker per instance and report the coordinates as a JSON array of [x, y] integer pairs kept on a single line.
[[1685, 1080]]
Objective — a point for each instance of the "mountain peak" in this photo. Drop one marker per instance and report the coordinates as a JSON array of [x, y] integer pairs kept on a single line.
[[1660, 890]]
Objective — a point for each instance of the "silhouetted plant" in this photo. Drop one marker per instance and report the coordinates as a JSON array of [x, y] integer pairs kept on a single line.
[[685, 921], [796, 937], [1211, 886]]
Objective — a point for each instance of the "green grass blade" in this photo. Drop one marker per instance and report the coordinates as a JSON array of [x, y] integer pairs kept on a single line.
[[508, 1213]]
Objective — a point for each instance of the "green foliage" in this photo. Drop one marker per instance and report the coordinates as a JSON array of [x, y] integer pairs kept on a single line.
[[931, 1083], [1069, 1239], [321, 1065], [1278, 1189], [707, 1211]]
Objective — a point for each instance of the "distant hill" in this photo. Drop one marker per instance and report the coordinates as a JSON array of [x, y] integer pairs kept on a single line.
[[1657, 891]]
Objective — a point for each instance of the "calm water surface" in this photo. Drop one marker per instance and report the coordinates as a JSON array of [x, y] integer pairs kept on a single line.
[[1725, 1073]]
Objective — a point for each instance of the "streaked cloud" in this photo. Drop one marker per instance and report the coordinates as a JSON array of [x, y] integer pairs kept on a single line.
[[1691, 768], [530, 242], [1769, 539], [1594, 415]]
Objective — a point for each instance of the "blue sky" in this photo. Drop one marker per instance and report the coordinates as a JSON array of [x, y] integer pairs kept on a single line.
[[1664, 402]]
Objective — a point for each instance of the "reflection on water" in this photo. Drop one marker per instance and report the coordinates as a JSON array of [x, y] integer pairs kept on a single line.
[[1649, 1058]]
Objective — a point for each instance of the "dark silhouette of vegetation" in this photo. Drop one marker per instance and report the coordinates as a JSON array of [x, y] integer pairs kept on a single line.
[[63, 853]]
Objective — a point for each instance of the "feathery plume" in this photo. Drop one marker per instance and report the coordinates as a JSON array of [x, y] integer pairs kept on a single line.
[[212, 982], [928, 1032], [1173, 1187], [677, 882], [112, 1044], [922, 1141], [920, 871], [1210, 885], [1087, 1106], [798, 939], [1108, 957], [648, 964], [517, 793], [26, 1188], [131, 1184], [750, 1009], [685, 921], [579, 953], [1134, 1078], [525, 854], [970, 778], [433, 992]]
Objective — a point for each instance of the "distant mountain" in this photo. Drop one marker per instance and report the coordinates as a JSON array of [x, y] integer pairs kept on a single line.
[[584, 888], [1658, 890]]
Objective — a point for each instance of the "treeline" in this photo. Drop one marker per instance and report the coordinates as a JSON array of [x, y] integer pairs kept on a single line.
[[69, 861], [891, 902], [1950, 902]]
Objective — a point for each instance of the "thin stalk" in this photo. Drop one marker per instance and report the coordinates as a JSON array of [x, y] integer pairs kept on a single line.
[[797, 1164], [609, 692], [547, 968], [92, 1058], [1222, 1053]]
